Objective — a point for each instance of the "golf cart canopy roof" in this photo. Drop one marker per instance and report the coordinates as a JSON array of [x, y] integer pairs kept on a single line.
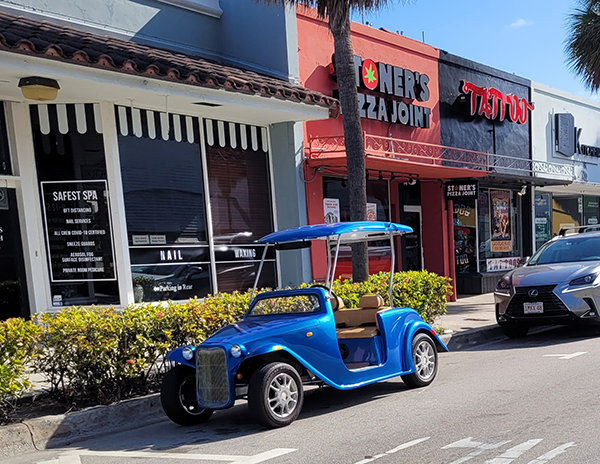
[[349, 232]]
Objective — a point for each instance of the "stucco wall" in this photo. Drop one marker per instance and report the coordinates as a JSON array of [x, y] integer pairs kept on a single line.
[[461, 130], [548, 102], [315, 49], [248, 34]]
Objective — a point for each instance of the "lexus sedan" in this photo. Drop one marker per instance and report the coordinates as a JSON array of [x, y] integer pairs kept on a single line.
[[559, 284]]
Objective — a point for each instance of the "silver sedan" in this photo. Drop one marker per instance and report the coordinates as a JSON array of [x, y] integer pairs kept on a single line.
[[559, 284]]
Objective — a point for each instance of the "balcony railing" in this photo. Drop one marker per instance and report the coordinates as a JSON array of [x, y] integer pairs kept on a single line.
[[427, 153]]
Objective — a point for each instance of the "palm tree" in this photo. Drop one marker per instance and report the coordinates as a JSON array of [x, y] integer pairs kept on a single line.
[[583, 42], [337, 12]]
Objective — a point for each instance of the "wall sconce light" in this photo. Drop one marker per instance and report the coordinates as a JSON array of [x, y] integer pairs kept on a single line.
[[523, 191], [39, 88]]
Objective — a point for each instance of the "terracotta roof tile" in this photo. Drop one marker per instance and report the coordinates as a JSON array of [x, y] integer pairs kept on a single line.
[[23, 35]]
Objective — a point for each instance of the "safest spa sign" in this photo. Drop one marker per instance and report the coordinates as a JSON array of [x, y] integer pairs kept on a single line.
[[392, 94]]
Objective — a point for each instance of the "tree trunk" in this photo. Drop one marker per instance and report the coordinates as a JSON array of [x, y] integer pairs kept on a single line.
[[339, 24]]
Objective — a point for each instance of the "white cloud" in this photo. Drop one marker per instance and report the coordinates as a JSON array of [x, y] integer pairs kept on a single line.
[[521, 23]]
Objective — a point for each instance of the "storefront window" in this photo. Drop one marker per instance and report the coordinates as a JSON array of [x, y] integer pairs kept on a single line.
[[241, 205], [542, 219], [378, 209], [166, 216], [590, 210], [71, 169], [566, 212], [499, 240], [465, 236]]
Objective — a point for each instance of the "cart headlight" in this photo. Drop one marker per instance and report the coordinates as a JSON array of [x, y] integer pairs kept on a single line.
[[187, 353], [503, 285], [585, 280], [237, 351]]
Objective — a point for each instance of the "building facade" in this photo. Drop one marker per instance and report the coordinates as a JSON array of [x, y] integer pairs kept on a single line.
[[566, 131], [171, 145]]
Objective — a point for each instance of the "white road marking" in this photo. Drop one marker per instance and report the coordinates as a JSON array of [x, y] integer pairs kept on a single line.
[[394, 450], [407, 445], [74, 457], [552, 454], [513, 453], [566, 356], [468, 443]]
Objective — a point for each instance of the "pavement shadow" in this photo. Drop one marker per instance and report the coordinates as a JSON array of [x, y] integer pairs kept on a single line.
[[495, 340], [235, 422]]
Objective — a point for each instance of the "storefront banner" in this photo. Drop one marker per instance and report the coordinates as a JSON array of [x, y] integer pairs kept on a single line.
[[542, 229], [462, 190], [331, 210], [78, 231], [503, 264], [501, 230], [371, 211]]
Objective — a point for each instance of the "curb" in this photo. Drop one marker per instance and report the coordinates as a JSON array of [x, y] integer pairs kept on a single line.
[[460, 340], [63, 429]]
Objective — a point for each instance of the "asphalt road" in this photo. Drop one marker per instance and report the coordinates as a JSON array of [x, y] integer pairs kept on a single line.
[[530, 401]]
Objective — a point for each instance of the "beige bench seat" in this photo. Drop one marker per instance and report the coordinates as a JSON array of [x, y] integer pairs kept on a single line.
[[360, 322]]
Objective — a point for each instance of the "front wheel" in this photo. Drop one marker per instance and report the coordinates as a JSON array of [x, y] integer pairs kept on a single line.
[[275, 395], [425, 360], [178, 397]]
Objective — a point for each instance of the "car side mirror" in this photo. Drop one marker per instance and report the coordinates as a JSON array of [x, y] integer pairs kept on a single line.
[[524, 261]]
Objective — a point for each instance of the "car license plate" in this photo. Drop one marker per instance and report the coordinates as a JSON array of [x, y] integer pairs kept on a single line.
[[533, 308]]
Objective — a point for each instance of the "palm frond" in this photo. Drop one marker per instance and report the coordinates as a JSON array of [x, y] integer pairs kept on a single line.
[[326, 8], [582, 45]]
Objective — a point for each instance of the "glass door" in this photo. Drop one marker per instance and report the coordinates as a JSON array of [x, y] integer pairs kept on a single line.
[[13, 290], [412, 251]]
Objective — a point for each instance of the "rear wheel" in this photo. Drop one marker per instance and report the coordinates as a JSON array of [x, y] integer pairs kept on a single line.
[[275, 395], [515, 331], [425, 360], [178, 397]]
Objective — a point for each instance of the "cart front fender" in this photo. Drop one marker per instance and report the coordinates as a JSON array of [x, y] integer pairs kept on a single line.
[[411, 331]]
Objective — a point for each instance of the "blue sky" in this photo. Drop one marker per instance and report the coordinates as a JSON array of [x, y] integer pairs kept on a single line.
[[523, 37]]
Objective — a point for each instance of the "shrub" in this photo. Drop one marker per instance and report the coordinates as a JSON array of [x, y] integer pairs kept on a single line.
[[18, 339], [102, 355], [426, 292]]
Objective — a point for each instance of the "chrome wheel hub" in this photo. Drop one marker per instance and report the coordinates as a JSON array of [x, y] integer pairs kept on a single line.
[[283, 395], [424, 360]]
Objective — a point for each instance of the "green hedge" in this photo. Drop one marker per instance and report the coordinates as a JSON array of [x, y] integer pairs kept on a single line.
[[99, 355], [18, 340]]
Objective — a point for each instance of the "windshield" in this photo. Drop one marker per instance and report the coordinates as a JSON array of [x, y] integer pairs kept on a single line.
[[296, 304], [567, 251]]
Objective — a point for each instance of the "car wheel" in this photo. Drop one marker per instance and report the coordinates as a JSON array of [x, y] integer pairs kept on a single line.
[[275, 395], [425, 360], [178, 397], [515, 331]]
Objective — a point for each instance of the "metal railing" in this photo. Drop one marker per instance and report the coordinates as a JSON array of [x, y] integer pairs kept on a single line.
[[427, 153]]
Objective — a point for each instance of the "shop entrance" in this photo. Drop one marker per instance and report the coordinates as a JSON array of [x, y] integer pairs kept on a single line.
[[412, 251], [13, 291]]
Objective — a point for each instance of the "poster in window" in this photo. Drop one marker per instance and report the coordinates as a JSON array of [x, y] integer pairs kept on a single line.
[[331, 210], [78, 231], [371, 211], [501, 236]]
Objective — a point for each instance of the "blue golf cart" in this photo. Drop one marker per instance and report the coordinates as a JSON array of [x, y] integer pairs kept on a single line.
[[292, 338]]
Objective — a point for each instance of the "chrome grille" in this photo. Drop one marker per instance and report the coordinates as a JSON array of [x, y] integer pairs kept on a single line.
[[553, 306], [212, 378]]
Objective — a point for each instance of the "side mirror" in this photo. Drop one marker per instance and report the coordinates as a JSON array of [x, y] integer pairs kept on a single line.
[[524, 261]]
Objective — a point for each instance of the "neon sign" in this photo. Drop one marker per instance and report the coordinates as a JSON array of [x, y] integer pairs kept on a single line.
[[493, 104]]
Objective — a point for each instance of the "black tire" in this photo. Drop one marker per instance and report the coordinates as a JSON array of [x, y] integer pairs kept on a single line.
[[178, 397], [425, 360], [515, 331], [275, 395]]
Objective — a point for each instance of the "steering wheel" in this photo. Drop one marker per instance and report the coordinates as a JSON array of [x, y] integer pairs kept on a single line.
[[333, 296]]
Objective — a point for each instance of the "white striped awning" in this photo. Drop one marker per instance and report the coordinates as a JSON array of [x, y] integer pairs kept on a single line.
[[169, 126], [65, 117]]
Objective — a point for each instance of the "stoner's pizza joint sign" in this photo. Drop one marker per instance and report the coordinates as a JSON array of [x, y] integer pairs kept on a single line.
[[391, 94]]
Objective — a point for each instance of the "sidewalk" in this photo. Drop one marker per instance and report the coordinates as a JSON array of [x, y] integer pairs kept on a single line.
[[468, 321]]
